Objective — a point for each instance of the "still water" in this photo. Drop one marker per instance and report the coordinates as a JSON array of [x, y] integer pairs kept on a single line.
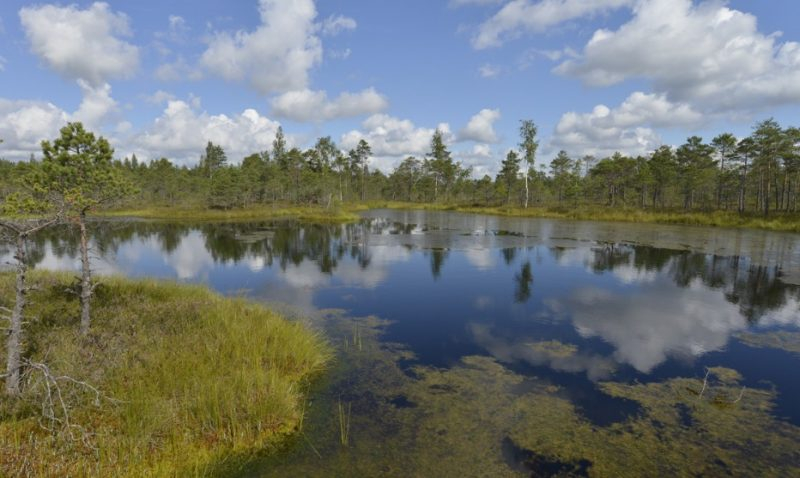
[[481, 346]]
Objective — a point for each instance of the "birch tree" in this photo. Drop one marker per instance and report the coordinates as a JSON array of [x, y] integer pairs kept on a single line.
[[528, 145]]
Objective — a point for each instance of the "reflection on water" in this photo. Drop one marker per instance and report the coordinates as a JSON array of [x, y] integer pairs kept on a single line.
[[577, 302]]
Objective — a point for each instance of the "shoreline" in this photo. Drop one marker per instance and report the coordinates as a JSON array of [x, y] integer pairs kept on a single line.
[[349, 213]]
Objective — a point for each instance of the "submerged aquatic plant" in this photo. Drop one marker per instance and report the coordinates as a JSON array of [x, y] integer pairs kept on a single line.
[[344, 423]]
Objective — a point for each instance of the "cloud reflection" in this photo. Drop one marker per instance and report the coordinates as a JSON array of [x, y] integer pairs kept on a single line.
[[655, 323]]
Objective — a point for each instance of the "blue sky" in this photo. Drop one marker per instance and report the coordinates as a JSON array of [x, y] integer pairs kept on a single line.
[[162, 78]]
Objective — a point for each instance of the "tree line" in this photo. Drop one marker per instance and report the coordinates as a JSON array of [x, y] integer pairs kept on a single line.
[[756, 174]]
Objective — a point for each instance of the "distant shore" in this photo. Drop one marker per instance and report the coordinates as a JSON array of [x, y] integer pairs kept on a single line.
[[786, 222]]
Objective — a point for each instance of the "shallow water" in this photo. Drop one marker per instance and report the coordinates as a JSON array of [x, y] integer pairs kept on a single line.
[[480, 346]]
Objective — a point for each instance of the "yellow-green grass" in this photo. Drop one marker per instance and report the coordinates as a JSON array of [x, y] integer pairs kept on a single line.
[[196, 383], [776, 222], [190, 213]]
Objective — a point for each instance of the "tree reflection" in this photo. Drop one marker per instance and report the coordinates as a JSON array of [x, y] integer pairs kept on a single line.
[[754, 288], [523, 281]]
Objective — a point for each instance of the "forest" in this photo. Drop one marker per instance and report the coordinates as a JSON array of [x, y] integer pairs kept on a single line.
[[758, 174]]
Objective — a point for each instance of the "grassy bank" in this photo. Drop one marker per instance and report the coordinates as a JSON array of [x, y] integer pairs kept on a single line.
[[349, 213], [192, 383], [180, 213], [777, 222]]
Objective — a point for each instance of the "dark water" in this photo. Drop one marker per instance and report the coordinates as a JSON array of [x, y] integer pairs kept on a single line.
[[568, 306]]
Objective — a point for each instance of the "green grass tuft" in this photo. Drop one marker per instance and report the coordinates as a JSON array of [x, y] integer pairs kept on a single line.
[[202, 382]]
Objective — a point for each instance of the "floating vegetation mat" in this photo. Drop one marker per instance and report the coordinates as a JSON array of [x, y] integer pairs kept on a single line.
[[479, 418]]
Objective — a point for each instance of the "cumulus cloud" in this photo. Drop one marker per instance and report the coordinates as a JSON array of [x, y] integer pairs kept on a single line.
[[306, 105], [393, 138], [276, 56], [480, 127], [97, 105], [627, 128], [178, 70], [479, 158], [707, 54], [81, 44], [525, 15], [159, 97], [334, 25], [182, 131], [24, 124]]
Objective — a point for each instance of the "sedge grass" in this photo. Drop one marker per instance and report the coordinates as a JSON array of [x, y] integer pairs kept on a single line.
[[200, 381], [344, 422], [787, 222], [201, 214]]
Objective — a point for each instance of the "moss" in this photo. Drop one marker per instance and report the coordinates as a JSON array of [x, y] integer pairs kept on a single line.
[[783, 340], [725, 375], [478, 418], [554, 349], [197, 380]]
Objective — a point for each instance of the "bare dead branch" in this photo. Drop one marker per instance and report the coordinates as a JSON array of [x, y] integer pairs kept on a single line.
[[56, 416], [740, 396], [705, 383]]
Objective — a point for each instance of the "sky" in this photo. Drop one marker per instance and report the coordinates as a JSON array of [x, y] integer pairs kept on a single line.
[[160, 79]]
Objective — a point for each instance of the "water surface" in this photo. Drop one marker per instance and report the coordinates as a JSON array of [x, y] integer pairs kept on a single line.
[[481, 346]]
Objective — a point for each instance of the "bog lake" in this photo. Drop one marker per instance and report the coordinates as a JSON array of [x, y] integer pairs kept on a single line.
[[472, 345]]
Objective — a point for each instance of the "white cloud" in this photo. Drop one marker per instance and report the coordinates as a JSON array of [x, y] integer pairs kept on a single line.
[[480, 127], [308, 106], [488, 71], [525, 15], [392, 139], [177, 71], [97, 105], [182, 131], [627, 128], [707, 54], [2, 63], [479, 158], [81, 44], [334, 25], [24, 124], [159, 97], [276, 56], [177, 25]]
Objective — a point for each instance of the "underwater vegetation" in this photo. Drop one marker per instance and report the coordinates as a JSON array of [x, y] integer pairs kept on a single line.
[[479, 418]]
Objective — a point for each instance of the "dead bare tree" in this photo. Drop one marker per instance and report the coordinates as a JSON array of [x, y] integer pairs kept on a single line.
[[19, 231]]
